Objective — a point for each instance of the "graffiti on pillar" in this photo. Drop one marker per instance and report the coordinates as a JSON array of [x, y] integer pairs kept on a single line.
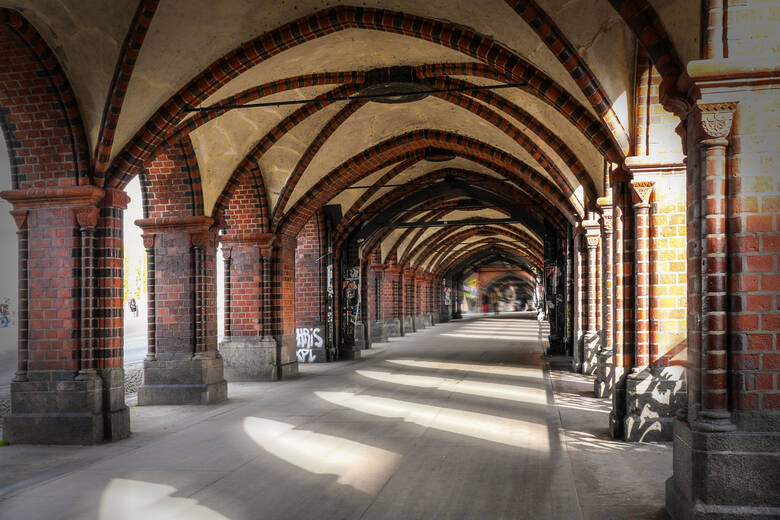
[[447, 295], [350, 290], [5, 318], [307, 339]]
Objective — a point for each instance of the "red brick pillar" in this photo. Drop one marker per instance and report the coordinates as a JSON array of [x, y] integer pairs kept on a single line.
[[247, 354], [379, 325], [591, 347], [393, 300], [408, 298], [58, 395], [642, 191], [185, 367], [580, 296], [604, 383], [714, 414], [279, 288]]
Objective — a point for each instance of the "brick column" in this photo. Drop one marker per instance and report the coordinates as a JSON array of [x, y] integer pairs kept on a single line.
[[186, 367], [279, 287], [379, 326], [408, 298], [580, 292], [58, 395], [591, 346], [714, 415], [642, 191], [247, 353], [391, 301], [604, 383]]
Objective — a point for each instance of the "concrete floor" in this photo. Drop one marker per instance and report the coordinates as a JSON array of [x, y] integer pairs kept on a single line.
[[462, 420]]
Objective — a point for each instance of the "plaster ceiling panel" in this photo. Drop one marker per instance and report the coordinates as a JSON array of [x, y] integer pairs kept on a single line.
[[604, 41], [179, 45], [222, 143], [681, 21], [277, 163], [376, 122], [555, 121], [85, 36], [348, 197], [388, 242]]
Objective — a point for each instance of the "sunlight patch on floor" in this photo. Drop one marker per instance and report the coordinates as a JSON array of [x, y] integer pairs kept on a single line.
[[493, 336], [360, 466], [512, 432], [131, 499], [498, 370], [522, 394]]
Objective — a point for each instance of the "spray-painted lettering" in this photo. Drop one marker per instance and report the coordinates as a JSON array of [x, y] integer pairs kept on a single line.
[[307, 339]]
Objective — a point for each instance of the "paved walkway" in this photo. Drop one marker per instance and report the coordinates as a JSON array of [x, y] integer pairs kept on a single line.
[[459, 421]]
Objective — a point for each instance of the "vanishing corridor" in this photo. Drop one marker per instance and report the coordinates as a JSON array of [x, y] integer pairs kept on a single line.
[[462, 420]]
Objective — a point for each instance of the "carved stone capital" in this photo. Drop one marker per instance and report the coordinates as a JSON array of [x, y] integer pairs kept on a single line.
[[86, 217], [715, 119], [20, 217], [642, 191], [199, 239], [148, 240], [592, 233]]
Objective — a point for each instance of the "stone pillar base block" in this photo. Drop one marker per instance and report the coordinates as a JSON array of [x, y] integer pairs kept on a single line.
[[407, 325], [379, 332], [393, 327], [603, 386], [444, 316], [723, 476], [427, 321], [434, 318], [652, 398], [183, 379], [56, 412], [249, 358], [419, 321], [592, 343]]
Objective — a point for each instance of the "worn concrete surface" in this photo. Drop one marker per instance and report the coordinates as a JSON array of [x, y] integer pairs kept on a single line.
[[461, 420]]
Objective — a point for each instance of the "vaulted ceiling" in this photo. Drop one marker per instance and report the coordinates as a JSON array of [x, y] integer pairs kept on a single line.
[[546, 140]]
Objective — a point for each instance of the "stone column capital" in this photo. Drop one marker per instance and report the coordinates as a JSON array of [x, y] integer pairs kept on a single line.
[[715, 121], [642, 190], [592, 232]]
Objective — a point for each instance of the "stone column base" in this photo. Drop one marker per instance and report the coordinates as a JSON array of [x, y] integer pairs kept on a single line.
[[378, 332], [181, 378], [723, 475], [592, 343], [434, 318], [250, 358], [392, 327], [407, 325], [116, 414], [56, 412], [419, 321], [444, 316], [652, 398], [603, 386], [618, 413]]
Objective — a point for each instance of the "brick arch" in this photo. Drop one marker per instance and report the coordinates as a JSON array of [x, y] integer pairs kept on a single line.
[[457, 259], [171, 184], [199, 119], [440, 256], [644, 22], [123, 71], [247, 210], [47, 144], [548, 91], [319, 24], [523, 276], [447, 237], [249, 162], [348, 225], [534, 125], [387, 152], [575, 65], [464, 102]]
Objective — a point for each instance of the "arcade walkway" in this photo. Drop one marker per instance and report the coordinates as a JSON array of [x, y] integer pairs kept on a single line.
[[461, 420]]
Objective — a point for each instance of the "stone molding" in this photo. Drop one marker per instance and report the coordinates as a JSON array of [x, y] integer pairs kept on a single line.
[[715, 119], [72, 197]]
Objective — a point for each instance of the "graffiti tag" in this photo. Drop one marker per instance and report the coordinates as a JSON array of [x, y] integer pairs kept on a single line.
[[307, 339]]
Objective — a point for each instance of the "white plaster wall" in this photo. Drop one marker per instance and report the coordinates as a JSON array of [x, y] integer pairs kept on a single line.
[[9, 278]]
